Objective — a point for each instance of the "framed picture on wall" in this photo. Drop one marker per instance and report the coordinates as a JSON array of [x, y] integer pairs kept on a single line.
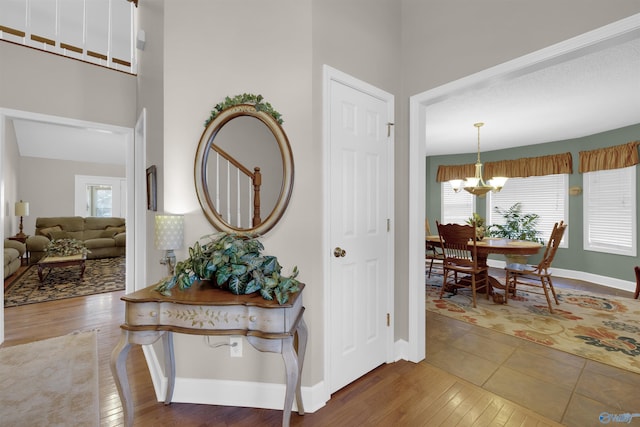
[[152, 192]]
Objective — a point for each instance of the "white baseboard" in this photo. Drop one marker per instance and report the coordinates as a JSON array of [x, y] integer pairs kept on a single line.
[[401, 350], [230, 393], [611, 282]]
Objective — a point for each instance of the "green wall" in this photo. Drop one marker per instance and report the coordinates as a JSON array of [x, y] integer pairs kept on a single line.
[[573, 257]]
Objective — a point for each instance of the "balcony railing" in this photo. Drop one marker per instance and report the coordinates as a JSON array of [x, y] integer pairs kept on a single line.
[[96, 31]]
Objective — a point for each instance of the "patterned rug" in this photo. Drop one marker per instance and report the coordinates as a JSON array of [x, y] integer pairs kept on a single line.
[[100, 275], [594, 326]]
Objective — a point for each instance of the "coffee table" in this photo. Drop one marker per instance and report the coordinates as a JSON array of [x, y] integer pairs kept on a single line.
[[52, 262]]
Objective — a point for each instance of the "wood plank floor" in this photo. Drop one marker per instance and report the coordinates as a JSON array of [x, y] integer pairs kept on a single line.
[[397, 394]]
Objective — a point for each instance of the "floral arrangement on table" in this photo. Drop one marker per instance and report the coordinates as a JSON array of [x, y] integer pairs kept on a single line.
[[480, 225], [234, 262], [65, 247], [245, 98]]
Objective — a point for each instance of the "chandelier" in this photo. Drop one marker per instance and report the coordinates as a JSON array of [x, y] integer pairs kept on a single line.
[[476, 185]]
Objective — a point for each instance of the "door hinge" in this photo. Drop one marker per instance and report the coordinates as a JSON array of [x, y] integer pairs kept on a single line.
[[388, 225], [389, 129], [388, 319]]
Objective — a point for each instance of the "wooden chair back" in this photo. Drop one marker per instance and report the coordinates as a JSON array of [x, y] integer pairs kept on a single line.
[[454, 240], [552, 247], [637, 270]]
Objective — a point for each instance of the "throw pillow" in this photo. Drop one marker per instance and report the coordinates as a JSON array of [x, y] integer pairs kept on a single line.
[[53, 235], [116, 230], [47, 231], [108, 233]]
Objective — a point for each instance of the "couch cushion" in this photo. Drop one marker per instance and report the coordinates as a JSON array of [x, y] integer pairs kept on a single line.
[[48, 230], [116, 230], [58, 235], [99, 223], [100, 243]]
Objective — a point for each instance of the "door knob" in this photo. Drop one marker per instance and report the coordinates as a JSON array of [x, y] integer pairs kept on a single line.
[[339, 252]]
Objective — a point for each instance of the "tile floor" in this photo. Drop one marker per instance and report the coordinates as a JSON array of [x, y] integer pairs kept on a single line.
[[565, 388]]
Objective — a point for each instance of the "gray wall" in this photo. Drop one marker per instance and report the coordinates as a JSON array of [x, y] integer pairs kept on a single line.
[[573, 257]]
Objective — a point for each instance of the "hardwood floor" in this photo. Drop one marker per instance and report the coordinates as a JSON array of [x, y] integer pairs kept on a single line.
[[398, 394]]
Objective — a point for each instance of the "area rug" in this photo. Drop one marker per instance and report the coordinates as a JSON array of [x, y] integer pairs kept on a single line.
[[100, 275], [52, 382], [594, 326]]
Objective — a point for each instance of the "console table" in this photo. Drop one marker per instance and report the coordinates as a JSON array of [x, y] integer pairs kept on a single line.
[[204, 309]]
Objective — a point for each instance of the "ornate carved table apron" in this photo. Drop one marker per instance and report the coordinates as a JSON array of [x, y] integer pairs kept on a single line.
[[206, 310]]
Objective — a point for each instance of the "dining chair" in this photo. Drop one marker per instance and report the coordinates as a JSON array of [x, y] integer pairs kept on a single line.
[[458, 243], [537, 276], [637, 270], [432, 252]]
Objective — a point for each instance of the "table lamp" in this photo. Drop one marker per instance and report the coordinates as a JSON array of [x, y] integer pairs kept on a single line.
[[22, 210], [169, 231]]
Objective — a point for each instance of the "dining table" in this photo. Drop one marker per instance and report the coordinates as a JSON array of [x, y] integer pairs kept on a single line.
[[495, 245]]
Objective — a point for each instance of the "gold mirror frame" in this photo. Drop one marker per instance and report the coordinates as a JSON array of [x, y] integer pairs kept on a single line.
[[200, 177]]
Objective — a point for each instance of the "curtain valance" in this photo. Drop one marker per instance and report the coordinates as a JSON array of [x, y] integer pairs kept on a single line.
[[519, 168], [616, 157]]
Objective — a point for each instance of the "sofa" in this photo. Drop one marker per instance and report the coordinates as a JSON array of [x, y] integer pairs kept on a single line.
[[103, 237], [13, 252]]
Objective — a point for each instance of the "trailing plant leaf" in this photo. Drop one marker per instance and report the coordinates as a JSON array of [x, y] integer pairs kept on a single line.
[[233, 262]]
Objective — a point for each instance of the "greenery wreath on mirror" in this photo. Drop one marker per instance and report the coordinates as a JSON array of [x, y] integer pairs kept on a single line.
[[246, 98], [233, 262]]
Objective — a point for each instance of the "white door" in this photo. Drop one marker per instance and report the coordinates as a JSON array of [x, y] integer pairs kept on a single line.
[[360, 237]]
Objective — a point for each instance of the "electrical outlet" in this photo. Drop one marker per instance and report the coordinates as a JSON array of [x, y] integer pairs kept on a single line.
[[236, 346]]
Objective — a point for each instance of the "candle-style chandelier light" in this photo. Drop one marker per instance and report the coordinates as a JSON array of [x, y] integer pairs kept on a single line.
[[476, 185]]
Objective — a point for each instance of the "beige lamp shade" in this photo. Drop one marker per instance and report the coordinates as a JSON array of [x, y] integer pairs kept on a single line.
[[22, 208], [169, 231]]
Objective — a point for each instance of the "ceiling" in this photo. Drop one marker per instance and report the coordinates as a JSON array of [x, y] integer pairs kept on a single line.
[[62, 142], [585, 95]]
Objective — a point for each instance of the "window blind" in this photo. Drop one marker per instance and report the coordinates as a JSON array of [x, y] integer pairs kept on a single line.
[[545, 195], [610, 211]]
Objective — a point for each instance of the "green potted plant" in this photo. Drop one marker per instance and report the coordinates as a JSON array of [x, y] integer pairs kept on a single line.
[[233, 262], [517, 226]]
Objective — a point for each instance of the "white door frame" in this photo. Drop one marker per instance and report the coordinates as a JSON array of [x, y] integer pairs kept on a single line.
[[331, 74], [135, 185], [619, 31]]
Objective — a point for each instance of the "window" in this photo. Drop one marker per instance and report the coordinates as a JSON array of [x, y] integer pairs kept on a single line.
[[610, 211], [456, 207], [100, 196], [545, 195], [99, 200]]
